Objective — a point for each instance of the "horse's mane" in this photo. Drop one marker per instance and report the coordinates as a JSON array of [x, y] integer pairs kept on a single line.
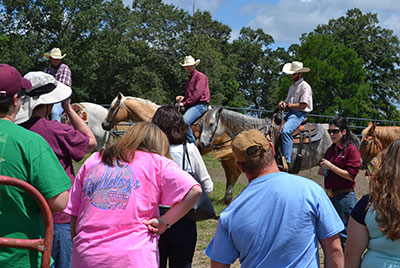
[[234, 120], [386, 134], [139, 99]]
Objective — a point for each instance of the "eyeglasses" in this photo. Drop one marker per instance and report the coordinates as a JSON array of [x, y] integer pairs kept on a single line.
[[333, 131]]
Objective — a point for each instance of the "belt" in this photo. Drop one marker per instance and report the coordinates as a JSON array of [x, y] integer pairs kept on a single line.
[[334, 192]]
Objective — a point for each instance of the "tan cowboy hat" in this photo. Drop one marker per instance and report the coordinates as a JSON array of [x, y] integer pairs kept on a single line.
[[189, 61], [45, 90], [294, 68], [55, 53]]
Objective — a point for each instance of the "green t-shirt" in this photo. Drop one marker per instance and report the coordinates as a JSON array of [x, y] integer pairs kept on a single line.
[[25, 155]]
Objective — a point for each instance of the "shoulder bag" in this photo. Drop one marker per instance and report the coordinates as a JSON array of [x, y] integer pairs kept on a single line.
[[203, 209]]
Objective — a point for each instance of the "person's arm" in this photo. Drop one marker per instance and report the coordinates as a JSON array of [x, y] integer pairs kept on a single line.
[[79, 124], [215, 264], [59, 202], [340, 172], [356, 243], [73, 226], [333, 252], [159, 225]]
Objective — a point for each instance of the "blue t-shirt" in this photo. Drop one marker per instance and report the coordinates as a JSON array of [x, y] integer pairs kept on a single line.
[[276, 221]]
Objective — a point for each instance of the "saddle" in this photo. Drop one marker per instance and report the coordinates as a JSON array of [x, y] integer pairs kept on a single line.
[[306, 133], [80, 110]]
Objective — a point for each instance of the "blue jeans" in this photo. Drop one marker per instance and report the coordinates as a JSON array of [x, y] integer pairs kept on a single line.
[[191, 115], [56, 112], [344, 203], [62, 245], [293, 121]]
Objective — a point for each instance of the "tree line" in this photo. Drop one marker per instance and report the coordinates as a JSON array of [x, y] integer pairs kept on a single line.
[[135, 50]]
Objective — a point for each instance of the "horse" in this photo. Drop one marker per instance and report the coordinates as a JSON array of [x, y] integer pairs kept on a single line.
[[93, 115], [375, 139], [219, 120], [139, 109]]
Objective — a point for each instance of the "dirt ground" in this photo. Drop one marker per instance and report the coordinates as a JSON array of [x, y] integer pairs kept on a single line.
[[217, 174]]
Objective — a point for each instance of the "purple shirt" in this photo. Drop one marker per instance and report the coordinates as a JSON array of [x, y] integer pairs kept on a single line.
[[67, 143], [61, 74], [197, 90], [349, 160]]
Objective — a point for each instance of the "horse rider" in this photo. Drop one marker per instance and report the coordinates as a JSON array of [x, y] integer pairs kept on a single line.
[[62, 73], [197, 94], [298, 101]]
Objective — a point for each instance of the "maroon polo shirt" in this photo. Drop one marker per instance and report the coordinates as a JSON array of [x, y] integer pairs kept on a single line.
[[197, 90], [349, 160]]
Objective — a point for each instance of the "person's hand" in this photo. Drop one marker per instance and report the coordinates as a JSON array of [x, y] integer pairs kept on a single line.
[[66, 105], [155, 226], [326, 164], [282, 104], [179, 98]]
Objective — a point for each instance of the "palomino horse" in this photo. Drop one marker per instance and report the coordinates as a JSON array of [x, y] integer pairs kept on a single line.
[[220, 120], [143, 110], [376, 139], [93, 115]]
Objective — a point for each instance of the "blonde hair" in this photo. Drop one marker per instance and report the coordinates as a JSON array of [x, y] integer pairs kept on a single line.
[[142, 136]]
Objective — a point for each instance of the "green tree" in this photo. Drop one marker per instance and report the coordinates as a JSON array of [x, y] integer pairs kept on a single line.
[[337, 78], [378, 47]]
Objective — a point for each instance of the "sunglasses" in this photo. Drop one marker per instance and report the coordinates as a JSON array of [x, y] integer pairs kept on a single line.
[[333, 131]]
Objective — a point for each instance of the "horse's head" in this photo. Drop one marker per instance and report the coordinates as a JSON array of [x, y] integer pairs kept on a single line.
[[116, 113], [370, 146], [212, 128]]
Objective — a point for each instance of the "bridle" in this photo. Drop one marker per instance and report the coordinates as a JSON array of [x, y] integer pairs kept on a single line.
[[372, 142], [114, 113], [215, 130]]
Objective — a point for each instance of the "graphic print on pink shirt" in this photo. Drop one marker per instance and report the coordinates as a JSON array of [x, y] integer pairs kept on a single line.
[[110, 188]]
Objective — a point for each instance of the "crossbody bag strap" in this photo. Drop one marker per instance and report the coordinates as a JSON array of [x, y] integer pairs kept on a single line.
[[185, 152]]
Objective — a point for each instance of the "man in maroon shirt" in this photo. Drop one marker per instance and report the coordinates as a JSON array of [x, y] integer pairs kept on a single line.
[[197, 94]]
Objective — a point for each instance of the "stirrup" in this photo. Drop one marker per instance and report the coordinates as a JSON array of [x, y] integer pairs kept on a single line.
[[283, 166]]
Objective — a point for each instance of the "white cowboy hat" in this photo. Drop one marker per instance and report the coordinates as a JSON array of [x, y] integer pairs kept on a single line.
[[294, 68], [55, 53], [45, 90], [189, 61]]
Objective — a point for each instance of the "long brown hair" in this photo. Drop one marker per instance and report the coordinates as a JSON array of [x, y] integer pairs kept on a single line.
[[143, 136], [385, 192]]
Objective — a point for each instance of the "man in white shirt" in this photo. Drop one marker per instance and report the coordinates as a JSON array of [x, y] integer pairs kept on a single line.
[[298, 101]]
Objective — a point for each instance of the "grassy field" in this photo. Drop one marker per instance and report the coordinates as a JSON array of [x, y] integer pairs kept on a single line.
[[206, 229]]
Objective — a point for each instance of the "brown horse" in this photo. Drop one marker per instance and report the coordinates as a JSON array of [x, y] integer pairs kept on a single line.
[[376, 139], [139, 109]]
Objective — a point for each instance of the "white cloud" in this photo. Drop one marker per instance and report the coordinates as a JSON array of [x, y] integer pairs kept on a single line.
[[286, 20]]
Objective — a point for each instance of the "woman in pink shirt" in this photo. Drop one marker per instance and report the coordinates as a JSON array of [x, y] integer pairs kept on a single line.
[[114, 201]]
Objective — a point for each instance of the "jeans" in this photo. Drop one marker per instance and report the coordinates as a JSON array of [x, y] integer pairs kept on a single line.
[[62, 245], [344, 203], [56, 112], [191, 115], [293, 121]]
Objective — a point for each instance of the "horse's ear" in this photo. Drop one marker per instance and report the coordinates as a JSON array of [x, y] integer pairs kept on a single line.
[[372, 126], [120, 96], [220, 110]]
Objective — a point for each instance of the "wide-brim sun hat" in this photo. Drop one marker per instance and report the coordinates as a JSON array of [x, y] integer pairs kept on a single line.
[[189, 61], [45, 90], [294, 68], [55, 53]]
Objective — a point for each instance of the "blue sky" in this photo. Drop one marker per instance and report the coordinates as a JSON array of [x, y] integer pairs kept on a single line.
[[286, 20]]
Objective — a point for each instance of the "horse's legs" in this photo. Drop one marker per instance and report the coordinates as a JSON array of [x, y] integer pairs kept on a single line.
[[232, 173]]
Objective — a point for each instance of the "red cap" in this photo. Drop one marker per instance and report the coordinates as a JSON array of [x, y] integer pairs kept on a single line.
[[11, 80]]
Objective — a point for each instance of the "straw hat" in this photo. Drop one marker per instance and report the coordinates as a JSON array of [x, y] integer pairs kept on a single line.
[[55, 53], [45, 90], [189, 61], [294, 68]]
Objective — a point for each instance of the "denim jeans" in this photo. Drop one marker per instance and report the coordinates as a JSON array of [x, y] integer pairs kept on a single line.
[[293, 120], [191, 115], [344, 203], [62, 245], [56, 112]]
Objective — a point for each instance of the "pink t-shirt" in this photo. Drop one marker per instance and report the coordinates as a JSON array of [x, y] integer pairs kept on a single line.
[[111, 204]]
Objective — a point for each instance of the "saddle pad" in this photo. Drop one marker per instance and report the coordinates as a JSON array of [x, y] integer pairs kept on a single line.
[[81, 111]]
